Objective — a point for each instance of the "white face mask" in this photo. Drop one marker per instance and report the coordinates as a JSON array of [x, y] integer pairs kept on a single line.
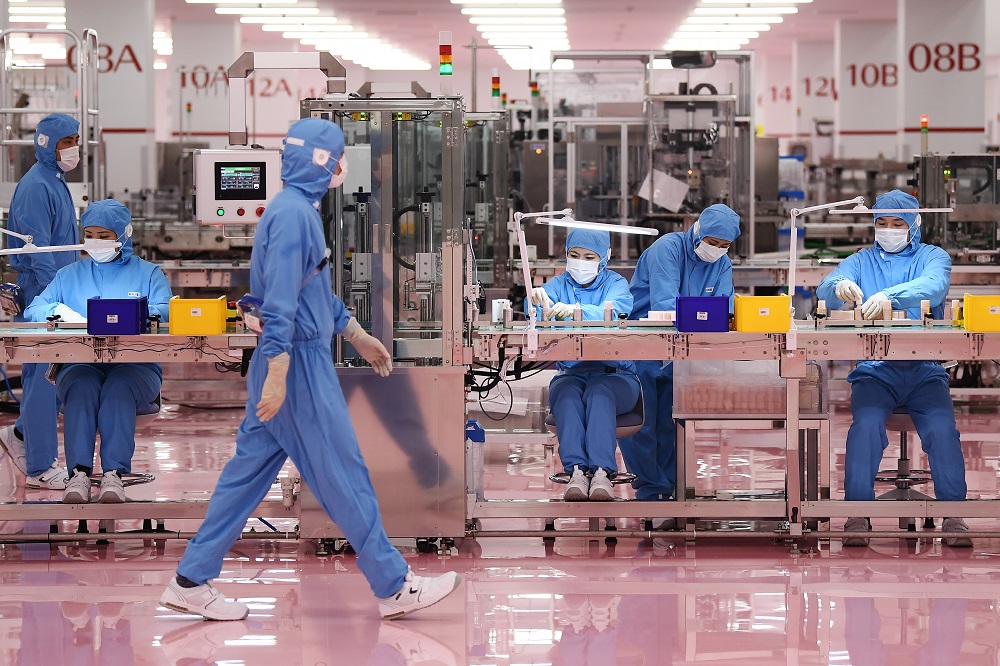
[[101, 250], [338, 179], [68, 158], [582, 271], [710, 253], [892, 240]]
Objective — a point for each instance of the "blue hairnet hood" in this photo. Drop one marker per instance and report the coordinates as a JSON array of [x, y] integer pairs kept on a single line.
[[297, 167], [51, 129], [590, 239], [718, 221], [113, 215], [900, 199]]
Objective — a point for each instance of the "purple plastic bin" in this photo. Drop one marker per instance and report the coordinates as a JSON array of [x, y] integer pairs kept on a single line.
[[703, 314], [117, 316]]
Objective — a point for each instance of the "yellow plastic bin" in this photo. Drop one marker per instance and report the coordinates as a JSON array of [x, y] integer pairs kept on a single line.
[[763, 314], [197, 316], [982, 313]]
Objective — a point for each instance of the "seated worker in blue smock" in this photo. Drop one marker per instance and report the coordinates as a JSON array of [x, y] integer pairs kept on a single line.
[[586, 396], [683, 263], [103, 397], [900, 270]]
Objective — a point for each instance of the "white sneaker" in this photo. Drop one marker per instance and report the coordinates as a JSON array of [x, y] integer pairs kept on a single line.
[[415, 647], [13, 446], [578, 488], [418, 592], [54, 478], [956, 525], [601, 489], [77, 489], [203, 600], [856, 525], [112, 489]]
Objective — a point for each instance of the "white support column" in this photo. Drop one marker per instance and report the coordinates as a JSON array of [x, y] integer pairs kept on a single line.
[[204, 51], [814, 95], [127, 86], [868, 85], [775, 107], [941, 53]]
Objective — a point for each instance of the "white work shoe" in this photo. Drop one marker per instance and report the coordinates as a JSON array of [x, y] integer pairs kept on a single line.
[[203, 600], [77, 489], [601, 489], [578, 488], [54, 478], [13, 446], [418, 592], [956, 525], [112, 489]]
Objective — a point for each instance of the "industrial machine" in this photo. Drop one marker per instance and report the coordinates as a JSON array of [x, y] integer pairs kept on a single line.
[[971, 185], [234, 186], [486, 194]]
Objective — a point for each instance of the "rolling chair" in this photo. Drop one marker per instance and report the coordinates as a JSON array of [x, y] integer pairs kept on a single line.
[[903, 477]]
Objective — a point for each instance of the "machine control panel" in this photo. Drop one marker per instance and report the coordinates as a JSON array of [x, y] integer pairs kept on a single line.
[[234, 186]]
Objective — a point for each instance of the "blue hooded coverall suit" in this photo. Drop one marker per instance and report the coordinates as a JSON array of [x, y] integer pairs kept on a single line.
[[105, 397], [42, 207], [667, 269], [917, 272], [313, 425], [586, 396]]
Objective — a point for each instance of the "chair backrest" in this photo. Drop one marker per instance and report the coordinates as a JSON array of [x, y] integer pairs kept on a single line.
[[152, 408]]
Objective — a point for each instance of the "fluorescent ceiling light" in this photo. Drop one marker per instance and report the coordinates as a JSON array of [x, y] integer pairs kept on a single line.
[[316, 37], [502, 3], [732, 20], [159, 64], [238, 2], [508, 27], [756, 2], [513, 11], [286, 19], [37, 9], [514, 20], [20, 18], [701, 27], [716, 35], [270, 11], [304, 27], [56, 26], [744, 11]]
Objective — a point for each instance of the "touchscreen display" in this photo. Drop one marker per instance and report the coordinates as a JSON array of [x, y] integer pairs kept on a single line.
[[240, 181]]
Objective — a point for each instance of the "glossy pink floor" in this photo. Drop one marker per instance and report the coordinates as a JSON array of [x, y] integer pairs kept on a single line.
[[573, 603]]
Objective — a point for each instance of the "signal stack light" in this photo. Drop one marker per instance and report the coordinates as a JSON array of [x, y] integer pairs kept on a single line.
[[445, 67]]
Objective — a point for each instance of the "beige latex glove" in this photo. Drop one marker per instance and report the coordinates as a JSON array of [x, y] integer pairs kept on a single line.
[[872, 308], [272, 395], [849, 292], [561, 311], [369, 347], [540, 297]]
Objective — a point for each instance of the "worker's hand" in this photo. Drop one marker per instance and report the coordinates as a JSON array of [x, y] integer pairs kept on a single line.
[[370, 348], [561, 311], [273, 394], [540, 297], [69, 315], [849, 292], [872, 309]]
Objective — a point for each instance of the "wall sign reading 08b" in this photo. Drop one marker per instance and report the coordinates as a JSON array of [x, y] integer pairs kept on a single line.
[[240, 181]]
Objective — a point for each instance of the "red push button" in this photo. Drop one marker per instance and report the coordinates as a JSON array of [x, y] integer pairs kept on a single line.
[[260, 211], [240, 212]]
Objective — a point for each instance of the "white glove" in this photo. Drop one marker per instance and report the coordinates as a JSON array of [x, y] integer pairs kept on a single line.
[[872, 309], [272, 395], [540, 297], [69, 315], [370, 348], [561, 311], [849, 292]]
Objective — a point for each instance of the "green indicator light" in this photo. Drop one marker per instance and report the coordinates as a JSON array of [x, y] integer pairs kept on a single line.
[[445, 68], [220, 212]]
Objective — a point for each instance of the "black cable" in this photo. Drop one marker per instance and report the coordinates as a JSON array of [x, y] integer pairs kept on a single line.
[[510, 405], [415, 208]]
